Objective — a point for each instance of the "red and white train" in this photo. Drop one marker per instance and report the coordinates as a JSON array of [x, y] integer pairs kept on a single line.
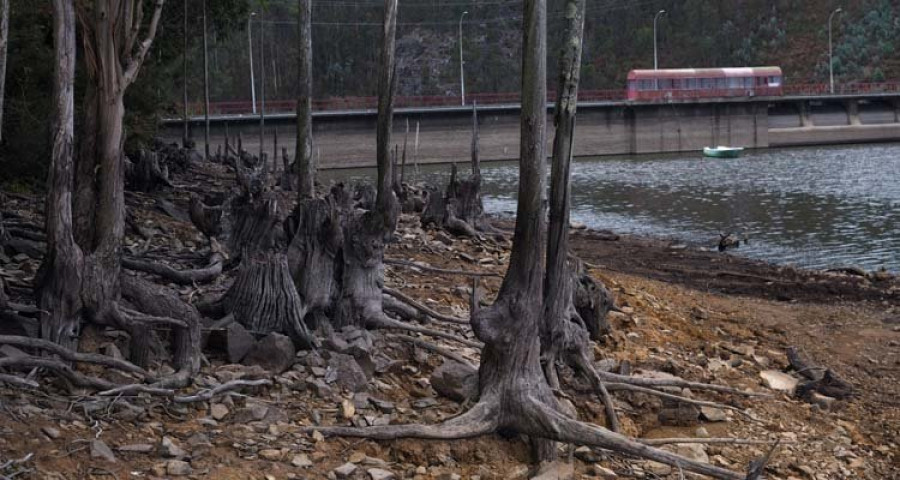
[[689, 83]]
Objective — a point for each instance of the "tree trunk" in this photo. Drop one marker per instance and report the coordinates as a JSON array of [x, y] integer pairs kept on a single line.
[[184, 79], [305, 167], [4, 45], [61, 272], [561, 322], [386, 202], [205, 83]]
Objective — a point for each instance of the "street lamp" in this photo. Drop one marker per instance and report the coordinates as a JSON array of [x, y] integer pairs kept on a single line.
[[250, 43], [831, 50], [655, 50], [462, 74]]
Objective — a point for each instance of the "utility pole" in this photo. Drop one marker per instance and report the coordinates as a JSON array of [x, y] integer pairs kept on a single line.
[[831, 50], [250, 43], [462, 74], [206, 79], [655, 48]]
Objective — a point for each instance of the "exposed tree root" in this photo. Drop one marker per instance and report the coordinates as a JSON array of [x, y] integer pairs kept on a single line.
[[18, 381], [63, 371], [182, 277], [71, 356], [422, 308], [205, 395]]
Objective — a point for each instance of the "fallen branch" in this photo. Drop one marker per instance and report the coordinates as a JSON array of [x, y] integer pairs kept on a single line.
[[428, 268], [60, 369], [672, 396], [708, 441], [434, 348], [676, 382], [422, 308], [385, 322], [18, 381], [225, 387]]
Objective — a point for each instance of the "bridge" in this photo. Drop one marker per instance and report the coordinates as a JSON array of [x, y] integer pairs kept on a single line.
[[608, 124]]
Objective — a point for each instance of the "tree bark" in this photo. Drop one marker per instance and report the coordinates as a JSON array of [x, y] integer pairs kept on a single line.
[[61, 273], [305, 167], [4, 45], [386, 202]]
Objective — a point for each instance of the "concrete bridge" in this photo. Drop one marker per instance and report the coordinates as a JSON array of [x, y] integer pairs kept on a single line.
[[346, 138]]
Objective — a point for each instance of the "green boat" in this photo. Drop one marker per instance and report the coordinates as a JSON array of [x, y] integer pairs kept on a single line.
[[723, 152]]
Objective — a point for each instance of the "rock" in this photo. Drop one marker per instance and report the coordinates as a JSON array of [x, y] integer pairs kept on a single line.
[[380, 474], [348, 410], [321, 389], [779, 381], [238, 342], [587, 454], [383, 406], [301, 461], [100, 450], [345, 470], [168, 448], [50, 432], [218, 411], [693, 451], [555, 471], [178, 468], [712, 414], [274, 353], [823, 401], [656, 468], [701, 432], [455, 381], [270, 454], [136, 448], [345, 372], [604, 472]]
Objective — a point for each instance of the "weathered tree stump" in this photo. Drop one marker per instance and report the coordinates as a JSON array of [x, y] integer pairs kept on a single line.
[[263, 298], [146, 173]]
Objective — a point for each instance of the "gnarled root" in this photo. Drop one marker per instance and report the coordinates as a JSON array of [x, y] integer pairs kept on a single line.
[[181, 277]]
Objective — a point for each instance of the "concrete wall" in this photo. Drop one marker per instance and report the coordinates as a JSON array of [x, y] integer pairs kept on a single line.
[[348, 140]]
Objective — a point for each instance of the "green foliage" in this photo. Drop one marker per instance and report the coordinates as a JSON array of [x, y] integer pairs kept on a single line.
[[866, 43]]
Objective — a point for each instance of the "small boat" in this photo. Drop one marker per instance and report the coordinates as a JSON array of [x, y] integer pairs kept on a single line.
[[723, 152]]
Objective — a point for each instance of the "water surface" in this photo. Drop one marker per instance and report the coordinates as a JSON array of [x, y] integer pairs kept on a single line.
[[810, 207]]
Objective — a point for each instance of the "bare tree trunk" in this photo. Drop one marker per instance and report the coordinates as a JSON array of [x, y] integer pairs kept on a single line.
[[386, 201], [205, 81], [61, 273], [184, 78], [4, 45], [476, 158], [305, 167], [262, 86]]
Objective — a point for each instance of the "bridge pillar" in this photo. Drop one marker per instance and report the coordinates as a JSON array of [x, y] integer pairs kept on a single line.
[[852, 107], [805, 118]]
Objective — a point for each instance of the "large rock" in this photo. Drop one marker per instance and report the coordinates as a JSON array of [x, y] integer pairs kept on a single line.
[[779, 381], [239, 342], [100, 450], [455, 381], [344, 372], [275, 353]]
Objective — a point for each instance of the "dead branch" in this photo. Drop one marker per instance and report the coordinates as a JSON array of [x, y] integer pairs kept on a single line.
[[389, 323], [181, 277], [707, 441], [18, 381], [671, 396], [428, 268], [680, 383], [434, 348], [422, 308], [225, 387]]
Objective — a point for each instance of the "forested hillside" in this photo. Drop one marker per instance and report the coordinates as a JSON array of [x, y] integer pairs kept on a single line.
[[619, 37]]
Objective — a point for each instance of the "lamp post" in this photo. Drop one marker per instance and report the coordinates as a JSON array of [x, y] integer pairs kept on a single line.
[[462, 74], [831, 50], [655, 49], [250, 44]]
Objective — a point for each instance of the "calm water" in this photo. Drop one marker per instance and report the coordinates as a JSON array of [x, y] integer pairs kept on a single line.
[[811, 207]]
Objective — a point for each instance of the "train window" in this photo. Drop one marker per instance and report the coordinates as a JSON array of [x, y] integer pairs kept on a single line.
[[735, 82], [632, 85], [646, 85], [748, 82], [775, 81], [665, 84], [720, 83], [693, 83], [706, 83]]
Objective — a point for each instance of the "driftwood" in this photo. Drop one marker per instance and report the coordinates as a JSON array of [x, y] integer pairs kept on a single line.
[[822, 380]]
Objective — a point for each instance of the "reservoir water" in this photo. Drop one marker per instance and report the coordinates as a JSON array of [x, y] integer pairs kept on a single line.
[[809, 207]]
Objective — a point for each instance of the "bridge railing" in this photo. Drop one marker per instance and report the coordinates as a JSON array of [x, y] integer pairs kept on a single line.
[[425, 101]]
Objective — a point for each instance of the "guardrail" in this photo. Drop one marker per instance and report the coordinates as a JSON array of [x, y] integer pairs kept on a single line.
[[371, 103]]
